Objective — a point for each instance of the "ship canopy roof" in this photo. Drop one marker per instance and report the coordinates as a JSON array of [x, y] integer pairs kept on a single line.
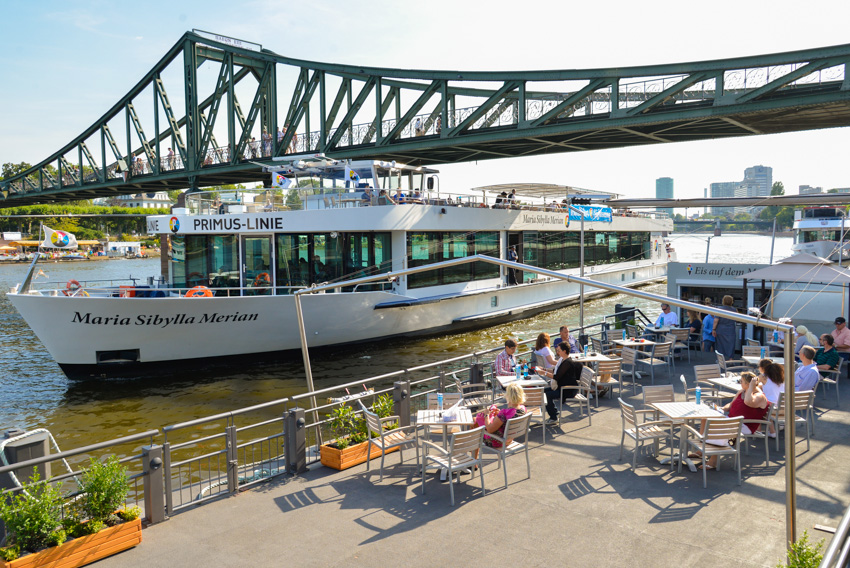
[[803, 267], [546, 191]]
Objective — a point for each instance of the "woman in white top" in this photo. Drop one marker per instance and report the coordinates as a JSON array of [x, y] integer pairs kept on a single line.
[[544, 354], [772, 383]]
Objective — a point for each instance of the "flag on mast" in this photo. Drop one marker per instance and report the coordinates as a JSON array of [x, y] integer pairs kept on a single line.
[[280, 181], [351, 175], [58, 239]]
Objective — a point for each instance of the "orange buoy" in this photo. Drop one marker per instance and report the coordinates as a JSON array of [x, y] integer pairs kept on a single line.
[[199, 292]]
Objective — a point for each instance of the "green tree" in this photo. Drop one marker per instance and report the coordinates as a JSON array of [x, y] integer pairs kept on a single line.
[[293, 201], [770, 212], [10, 169]]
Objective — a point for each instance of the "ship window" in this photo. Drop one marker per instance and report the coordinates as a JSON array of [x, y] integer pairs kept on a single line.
[[429, 248]]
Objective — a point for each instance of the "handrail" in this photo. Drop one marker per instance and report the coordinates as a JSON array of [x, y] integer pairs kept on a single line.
[[837, 553]]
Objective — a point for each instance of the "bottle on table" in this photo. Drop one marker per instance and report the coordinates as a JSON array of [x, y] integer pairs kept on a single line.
[[763, 353], [698, 394], [518, 368], [624, 335], [775, 336], [524, 371], [440, 402]]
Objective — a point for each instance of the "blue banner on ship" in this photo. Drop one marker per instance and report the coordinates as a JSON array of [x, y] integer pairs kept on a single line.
[[591, 213]]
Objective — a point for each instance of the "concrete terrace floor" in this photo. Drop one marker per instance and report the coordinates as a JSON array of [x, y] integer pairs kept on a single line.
[[581, 507]]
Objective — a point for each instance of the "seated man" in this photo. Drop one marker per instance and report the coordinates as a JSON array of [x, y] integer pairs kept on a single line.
[[564, 335], [667, 318], [827, 356], [806, 377], [842, 338], [505, 362]]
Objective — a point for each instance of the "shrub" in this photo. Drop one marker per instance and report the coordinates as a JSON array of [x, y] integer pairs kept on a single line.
[[130, 514], [803, 554], [104, 487], [347, 427], [33, 514], [9, 553]]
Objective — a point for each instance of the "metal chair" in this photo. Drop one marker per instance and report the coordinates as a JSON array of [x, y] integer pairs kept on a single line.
[[660, 355], [642, 432], [386, 440], [628, 366], [535, 405], [752, 351], [600, 347], [732, 365], [679, 337], [610, 368], [717, 429], [475, 395], [516, 427], [463, 447], [632, 331], [831, 377], [582, 397], [752, 342], [804, 414]]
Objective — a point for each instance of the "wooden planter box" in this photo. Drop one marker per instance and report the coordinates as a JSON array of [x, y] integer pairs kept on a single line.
[[83, 550], [350, 456]]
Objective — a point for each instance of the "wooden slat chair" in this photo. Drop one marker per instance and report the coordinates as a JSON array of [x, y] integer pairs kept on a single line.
[[449, 400], [759, 434], [831, 378], [805, 413], [752, 351], [515, 428], [717, 429], [600, 347], [582, 397], [680, 338], [535, 405], [660, 355], [475, 395], [632, 331], [641, 432], [710, 392], [386, 440], [753, 342], [731, 365], [628, 366], [460, 455], [611, 368], [653, 394]]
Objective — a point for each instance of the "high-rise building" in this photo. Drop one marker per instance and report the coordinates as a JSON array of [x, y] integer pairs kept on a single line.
[[757, 182], [723, 189], [664, 190]]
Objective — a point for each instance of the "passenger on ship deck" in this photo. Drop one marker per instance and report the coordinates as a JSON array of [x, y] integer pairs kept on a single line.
[[827, 356], [366, 196], [806, 377], [842, 338], [398, 197], [416, 197], [512, 256], [724, 330], [501, 201], [566, 373], [505, 362], [545, 360], [385, 199], [564, 336]]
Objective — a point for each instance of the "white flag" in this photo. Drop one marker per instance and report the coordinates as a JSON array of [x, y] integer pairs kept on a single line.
[[280, 181], [58, 239], [352, 176]]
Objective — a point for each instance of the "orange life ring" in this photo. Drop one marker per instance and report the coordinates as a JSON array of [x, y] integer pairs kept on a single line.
[[262, 279], [72, 288], [199, 292]]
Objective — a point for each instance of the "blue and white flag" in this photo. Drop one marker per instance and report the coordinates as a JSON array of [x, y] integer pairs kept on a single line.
[[280, 181], [351, 175], [58, 239]]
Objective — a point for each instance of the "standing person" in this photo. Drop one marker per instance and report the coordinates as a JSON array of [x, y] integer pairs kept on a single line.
[[439, 125], [564, 336], [512, 256], [707, 336], [724, 330], [806, 377], [842, 338], [418, 127], [505, 362], [170, 159]]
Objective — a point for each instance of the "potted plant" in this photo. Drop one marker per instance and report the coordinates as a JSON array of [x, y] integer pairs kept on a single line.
[[350, 445], [93, 527]]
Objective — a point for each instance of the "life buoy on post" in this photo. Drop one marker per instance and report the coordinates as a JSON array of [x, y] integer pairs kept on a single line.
[[199, 292], [262, 279]]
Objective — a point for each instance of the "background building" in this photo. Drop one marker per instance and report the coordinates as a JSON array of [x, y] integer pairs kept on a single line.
[[664, 190], [808, 190], [757, 182]]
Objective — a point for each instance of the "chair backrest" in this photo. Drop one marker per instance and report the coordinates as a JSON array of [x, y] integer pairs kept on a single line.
[[662, 350], [721, 361], [449, 399], [803, 400], [751, 350], [753, 342], [627, 411], [631, 330], [534, 396], [611, 367], [596, 343], [517, 426], [681, 334], [586, 379], [373, 422], [658, 393], [628, 356], [723, 428], [703, 372], [466, 442]]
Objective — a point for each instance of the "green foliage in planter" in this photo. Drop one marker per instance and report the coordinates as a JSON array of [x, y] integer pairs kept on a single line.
[[33, 515], [104, 487], [803, 554], [383, 407], [130, 514], [347, 427], [9, 553], [57, 537]]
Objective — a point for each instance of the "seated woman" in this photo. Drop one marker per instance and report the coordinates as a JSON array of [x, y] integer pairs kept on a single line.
[[772, 379], [694, 326], [804, 337], [494, 419], [751, 403], [566, 373], [545, 361]]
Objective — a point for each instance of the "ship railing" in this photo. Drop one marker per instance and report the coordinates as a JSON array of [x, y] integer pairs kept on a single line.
[[137, 452], [837, 553]]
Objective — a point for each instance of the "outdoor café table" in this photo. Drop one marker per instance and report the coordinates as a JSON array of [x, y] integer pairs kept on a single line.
[[685, 411], [531, 381], [731, 382], [754, 361], [462, 418], [590, 358], [663, 330], [634, 343]]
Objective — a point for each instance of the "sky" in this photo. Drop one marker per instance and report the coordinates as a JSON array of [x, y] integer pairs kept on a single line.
[[64, 64]]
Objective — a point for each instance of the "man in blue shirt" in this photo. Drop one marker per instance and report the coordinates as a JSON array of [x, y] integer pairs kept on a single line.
[[564, 335], [707, 338], [807, 376]]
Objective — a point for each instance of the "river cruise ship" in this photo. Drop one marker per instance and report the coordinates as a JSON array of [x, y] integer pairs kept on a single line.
[[817, 231], [233, 258]]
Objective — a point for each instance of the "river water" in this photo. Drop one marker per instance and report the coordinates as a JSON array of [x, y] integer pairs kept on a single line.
[[35, 393]]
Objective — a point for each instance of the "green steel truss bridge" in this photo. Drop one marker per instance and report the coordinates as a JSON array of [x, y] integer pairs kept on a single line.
[[224, 107]]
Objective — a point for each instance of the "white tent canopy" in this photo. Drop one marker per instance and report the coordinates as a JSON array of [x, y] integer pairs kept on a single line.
[[803, 267]]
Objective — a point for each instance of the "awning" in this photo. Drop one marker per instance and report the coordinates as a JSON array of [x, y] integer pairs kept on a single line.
[[803, 267], [544, 190]]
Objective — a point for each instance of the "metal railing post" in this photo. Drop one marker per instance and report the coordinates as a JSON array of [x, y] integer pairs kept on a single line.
[[295, 441], [441, 380], [476, 373], [232, 459], [166, 472], [154, 486], [401, 401]]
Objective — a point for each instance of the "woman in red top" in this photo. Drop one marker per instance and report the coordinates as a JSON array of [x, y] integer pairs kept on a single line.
[[751, 403]]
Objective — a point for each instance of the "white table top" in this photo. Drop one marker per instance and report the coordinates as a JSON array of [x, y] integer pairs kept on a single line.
[[634, 342], [662, 329], [434, 418], [531, 381], [591, 357], [754, 361], [732, 383], [686, 410]]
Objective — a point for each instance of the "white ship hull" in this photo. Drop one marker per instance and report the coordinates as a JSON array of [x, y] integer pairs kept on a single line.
[[106, 336]]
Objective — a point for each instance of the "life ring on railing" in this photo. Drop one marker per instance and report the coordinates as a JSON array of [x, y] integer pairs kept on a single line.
[[74, 288], [262, 279], [199, 292]]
